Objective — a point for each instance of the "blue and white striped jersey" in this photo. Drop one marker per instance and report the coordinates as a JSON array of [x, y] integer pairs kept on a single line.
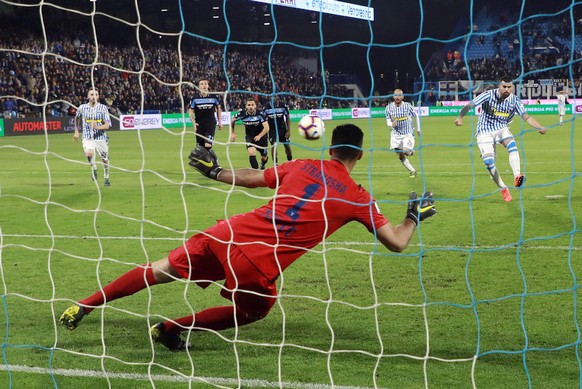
[[401, 118], [495, 112], [98, 114]]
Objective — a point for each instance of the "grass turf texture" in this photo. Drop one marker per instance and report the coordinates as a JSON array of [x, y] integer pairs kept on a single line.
[[484, 285]]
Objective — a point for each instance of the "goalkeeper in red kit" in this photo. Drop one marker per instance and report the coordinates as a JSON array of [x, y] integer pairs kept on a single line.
[[313, 198]]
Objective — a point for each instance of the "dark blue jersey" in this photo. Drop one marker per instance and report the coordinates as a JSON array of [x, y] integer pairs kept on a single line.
[[204, 108], [277, 116], [253, 121]]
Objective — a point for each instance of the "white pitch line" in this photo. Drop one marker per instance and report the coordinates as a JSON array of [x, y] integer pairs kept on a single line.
[[169, 378]]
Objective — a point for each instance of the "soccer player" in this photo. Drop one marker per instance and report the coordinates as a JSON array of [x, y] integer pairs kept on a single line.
[[562, 101], [399, 116], [256, 129], [498, 108], [93, 118], [313, 199], [204, 110], [279, 127]]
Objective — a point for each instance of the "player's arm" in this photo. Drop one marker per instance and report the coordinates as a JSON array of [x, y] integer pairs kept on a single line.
[[192, 118], [388, 118], [232, 124], [219, 116], [264, 132], [288, 123], [105, 122], [464, 110], [76, 127], [534, 123], [205, 163], [417, 118], [104, 126], [396, 238], [249, 178]]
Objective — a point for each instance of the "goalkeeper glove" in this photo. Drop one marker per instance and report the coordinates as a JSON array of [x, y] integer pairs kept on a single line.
[[420, 209], [204, 162]]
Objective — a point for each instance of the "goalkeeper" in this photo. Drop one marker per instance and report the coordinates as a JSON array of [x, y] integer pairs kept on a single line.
[[313, 199]]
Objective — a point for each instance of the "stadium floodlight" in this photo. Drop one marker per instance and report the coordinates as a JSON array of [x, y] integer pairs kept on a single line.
[[332, 7]]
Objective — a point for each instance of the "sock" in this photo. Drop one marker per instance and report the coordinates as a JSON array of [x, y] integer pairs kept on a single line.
[[514, 158], [105, 163], [407, 165], [561, 119], [514, 163], [92, 162], [495, 176], [125, 285], [253, 161], [216, 318]]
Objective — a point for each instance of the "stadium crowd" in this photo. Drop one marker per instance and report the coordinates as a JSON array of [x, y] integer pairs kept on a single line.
[[545, 52], [153, 78]]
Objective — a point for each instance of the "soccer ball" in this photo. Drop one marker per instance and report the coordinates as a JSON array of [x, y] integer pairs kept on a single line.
[[311, 127]]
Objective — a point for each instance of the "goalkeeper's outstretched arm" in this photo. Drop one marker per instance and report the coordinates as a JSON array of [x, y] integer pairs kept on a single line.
[[249, 178], [203, 161]]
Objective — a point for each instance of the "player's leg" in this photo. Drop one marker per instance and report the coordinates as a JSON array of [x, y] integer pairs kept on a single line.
[[127, 284], [486, 144], [209, 143], [264, 151], [252, 156], [253, 296], [408, 150], [274, 153], [273, 142], [285, 139], [102, 148], [514, 160], [288, 151], [398, 143], [89, 150]]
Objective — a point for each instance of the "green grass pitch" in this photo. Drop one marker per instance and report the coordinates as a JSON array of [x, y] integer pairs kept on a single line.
[[485, 295]]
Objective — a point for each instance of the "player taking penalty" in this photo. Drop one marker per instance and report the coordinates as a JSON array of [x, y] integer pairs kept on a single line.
[[499, 107], [312, 199]]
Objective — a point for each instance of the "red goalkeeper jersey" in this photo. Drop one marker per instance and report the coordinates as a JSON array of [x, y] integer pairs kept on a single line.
[[314, 198]]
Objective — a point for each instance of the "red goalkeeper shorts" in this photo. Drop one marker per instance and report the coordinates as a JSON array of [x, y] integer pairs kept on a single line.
[[204, 259]]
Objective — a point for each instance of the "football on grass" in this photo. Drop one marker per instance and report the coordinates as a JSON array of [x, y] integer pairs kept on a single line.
[[311, 127]]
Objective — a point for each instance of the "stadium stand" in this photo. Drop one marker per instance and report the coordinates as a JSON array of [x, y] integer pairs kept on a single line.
[[68, 69], [495, 48]]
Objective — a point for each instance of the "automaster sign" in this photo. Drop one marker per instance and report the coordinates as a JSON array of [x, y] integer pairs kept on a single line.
[[36, 126]]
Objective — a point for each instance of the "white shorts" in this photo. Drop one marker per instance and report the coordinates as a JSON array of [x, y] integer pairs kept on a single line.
[[100, 146], [401, 142], [561, 111], [487, 141]]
